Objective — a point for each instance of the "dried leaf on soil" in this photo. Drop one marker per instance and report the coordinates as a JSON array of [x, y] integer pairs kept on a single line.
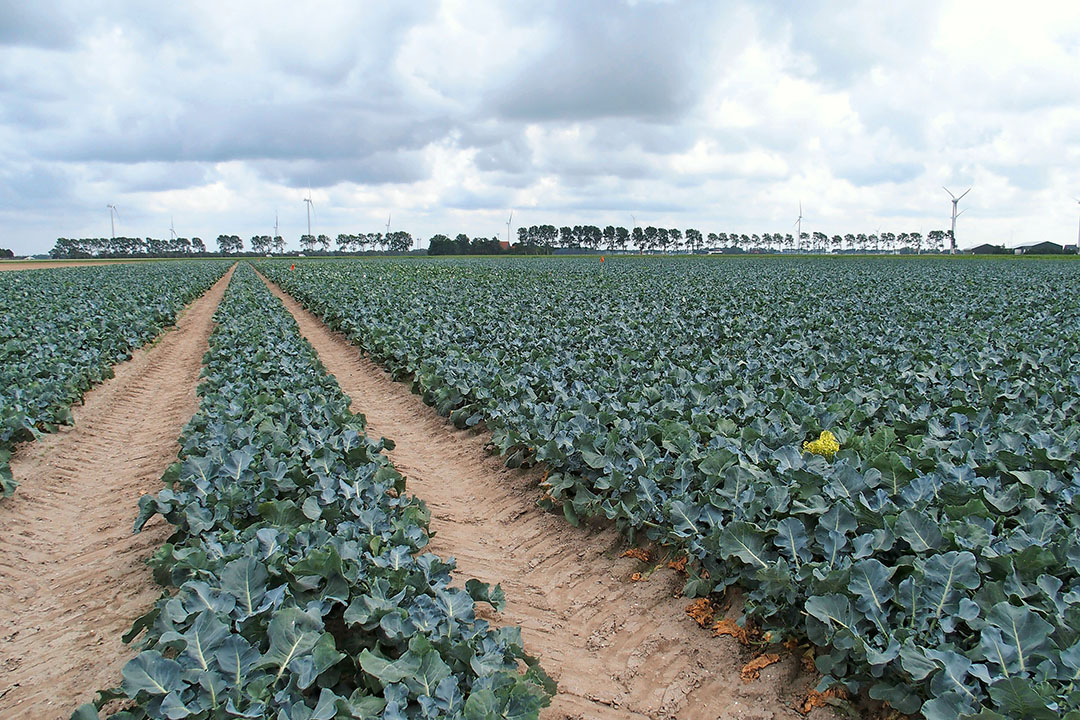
[[637, 553], [752, 670], [701, 611], [815, 699], [727, 626]]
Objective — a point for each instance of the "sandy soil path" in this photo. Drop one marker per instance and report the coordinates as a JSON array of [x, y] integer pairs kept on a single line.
[[618, 649], [72, 574]]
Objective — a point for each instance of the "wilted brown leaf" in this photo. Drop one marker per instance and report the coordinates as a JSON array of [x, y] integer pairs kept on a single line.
[[752, 670], [637, 553], [815, 699], [701, 611], [730, 627]]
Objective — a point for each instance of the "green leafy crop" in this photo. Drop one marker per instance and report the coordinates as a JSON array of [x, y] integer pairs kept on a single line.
[[931, 553], [62, 330], [300, 585]]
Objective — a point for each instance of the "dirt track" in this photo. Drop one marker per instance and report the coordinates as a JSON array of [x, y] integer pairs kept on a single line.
[[72, 575], [618, 649]]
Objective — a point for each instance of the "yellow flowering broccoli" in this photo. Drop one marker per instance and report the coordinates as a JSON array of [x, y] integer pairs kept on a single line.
[[826, 445]]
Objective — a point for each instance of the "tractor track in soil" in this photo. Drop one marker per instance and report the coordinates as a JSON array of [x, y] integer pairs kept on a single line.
[[72, 574], [618, 649]]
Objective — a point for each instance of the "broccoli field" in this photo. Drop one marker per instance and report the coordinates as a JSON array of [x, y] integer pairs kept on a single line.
[[61, 332], [881, 453]]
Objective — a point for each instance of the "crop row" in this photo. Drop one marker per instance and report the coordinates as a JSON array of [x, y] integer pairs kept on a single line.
[[300, 589], [63, 329], [933, 559]]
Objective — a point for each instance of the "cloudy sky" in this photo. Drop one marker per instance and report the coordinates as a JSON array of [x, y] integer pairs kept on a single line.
[[719, 116]]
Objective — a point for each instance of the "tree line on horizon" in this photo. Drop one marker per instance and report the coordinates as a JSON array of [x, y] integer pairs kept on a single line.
[[534, 239], [659, 239], [73, 248]]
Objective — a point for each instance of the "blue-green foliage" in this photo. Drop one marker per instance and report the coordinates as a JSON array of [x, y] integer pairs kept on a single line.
[[934, 561], [301, 589], [62, 330]]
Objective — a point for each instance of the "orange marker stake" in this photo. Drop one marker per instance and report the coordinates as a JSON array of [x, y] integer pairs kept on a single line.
[[293, 266]]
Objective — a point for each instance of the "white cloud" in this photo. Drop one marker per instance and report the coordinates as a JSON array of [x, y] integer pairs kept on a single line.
[[448, 113]]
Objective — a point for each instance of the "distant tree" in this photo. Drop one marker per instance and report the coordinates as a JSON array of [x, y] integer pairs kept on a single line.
[[5, 253], [609, 237], [440, 245], [400, 241], [546, 238], [279, 244], [592, 236], [693, 239], [663, 239], [639, 239], [916, 240], [935, 239], [676, 237], [579, 236], [260, 244], [307, 243], [566, 236], [622, 238], [651, 238], [197, 245]]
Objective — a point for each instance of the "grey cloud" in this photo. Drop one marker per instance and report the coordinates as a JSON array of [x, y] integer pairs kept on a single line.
[[610, 60], [846, 43], [151, 177], [252, 132], [374, 169], [36, 25]]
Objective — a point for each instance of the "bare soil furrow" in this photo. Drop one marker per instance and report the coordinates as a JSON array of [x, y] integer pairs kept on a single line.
[[72, 574], [618, 649]]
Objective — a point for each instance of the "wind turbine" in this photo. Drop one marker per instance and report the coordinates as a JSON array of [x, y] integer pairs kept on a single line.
[[508, 227], [112, 220], [310, 209], [1078, 235], [798, 233], [172, 228], [952, 238], [273, 240]]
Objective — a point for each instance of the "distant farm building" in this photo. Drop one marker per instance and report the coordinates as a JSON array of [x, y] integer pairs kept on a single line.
[[987, 249], [1042, 248]]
